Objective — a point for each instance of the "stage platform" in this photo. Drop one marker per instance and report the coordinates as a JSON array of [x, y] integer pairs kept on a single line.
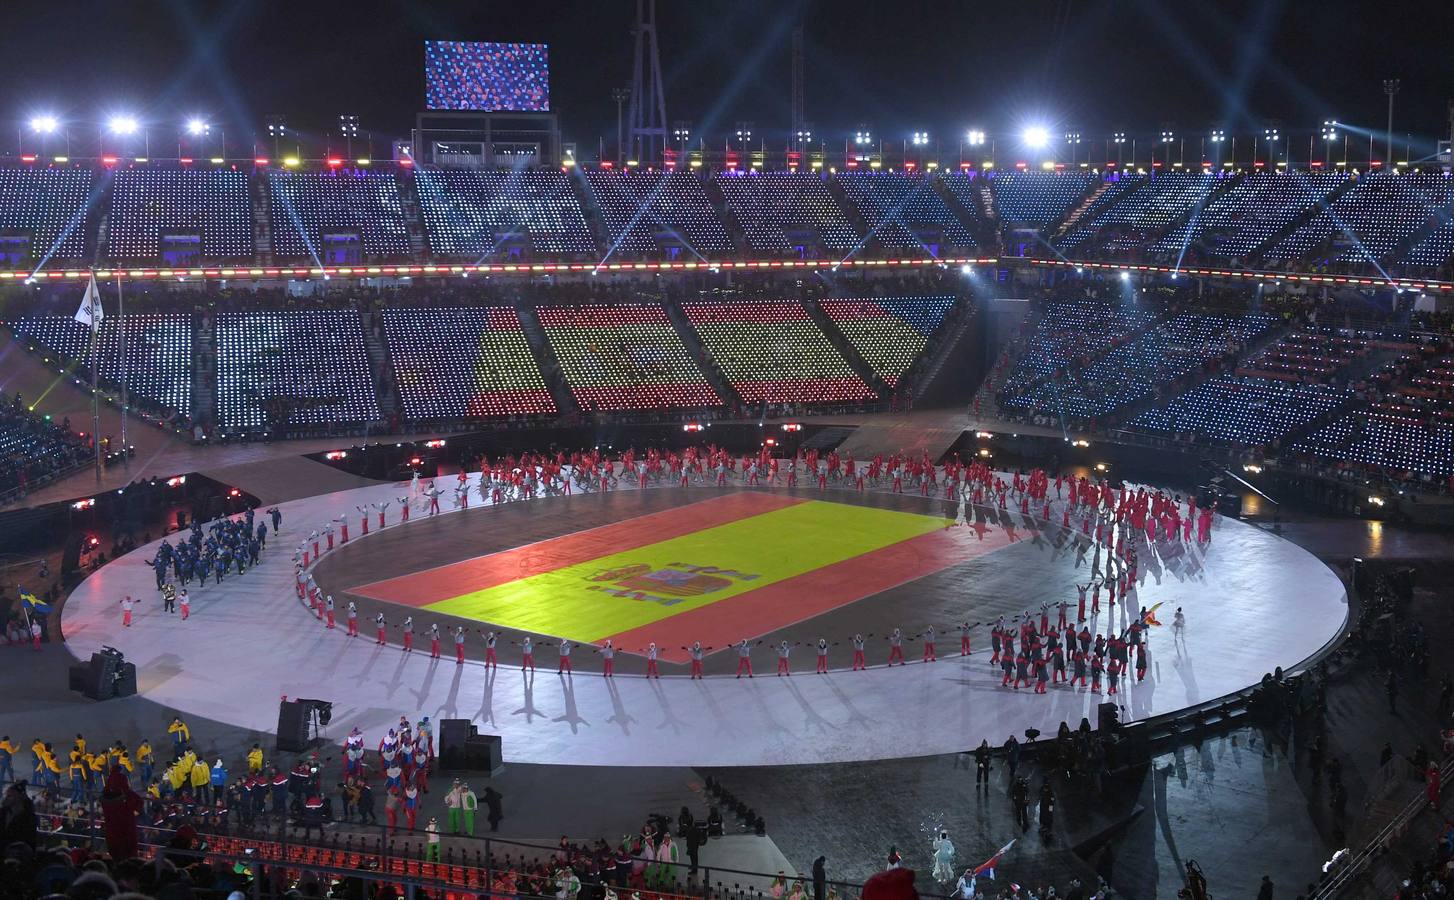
[[1253, 602]]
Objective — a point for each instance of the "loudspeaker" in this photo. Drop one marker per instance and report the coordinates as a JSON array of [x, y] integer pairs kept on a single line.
[[484, 754], [1108, 718], [463, 749], [80, 676], [101, 679], [126, 680], [454, 733], [292, 727]]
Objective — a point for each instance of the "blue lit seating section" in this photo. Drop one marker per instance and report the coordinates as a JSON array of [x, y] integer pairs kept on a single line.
[[1143, 213], [158, 352], [781, 210], [888, 332], [624, 356], [1118, 187], [899, 208], [1243, 409], [1133, 369], [304, 207], [214, 204], [1390, 435], [1366, 222], [480, 213], [51, 205], [772, 350], [1071, 332], [1250, 213], [303, 367], [31, 448], [638, 208], [464, 362], [1434, 250], [1039, 199]]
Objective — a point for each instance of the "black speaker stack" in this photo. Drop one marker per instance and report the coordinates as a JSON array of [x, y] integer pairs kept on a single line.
[[463, 749], [107, 675], [293, 726]]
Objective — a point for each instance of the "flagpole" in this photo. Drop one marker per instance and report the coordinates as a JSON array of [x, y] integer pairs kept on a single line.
[[95, 400], [121, 331]]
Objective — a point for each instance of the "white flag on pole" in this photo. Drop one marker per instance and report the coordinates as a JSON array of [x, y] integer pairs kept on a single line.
[[90, 313]]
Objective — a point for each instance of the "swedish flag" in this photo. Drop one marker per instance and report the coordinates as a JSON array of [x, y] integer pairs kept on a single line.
[[34, 604]]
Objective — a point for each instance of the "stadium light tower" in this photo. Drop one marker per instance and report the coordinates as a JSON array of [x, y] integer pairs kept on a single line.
[[1119, 139], [744, 135], [1390, 87], [681, 132], [348, 127], [124, 126], [1035, 137], [620, 95], [1072, 139], [1216, 139], [277, 129], [44, 125], [197, 129]]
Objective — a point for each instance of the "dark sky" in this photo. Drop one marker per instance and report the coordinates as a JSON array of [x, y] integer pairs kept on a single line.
[[1091, 65]]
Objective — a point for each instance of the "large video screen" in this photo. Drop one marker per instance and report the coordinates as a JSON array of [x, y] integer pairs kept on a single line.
[[480, 75]]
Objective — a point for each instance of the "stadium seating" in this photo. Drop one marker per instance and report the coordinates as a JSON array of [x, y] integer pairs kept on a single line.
[[1388, 435], [649, 212], [782, 210], [1070, 332], [1436, 249], [1103, 197], [624, 356], [158, 352], [904, 211], [32, 449], [464, 362], [1309, 354], [1162, 199], [1133, 369], [288, 368], [477, 213], [1250, 212], [1371, 218], [304, 208], [1245, 410], [213, 204], [772, 351], [48, 205], [888, 332], [1039, 199]]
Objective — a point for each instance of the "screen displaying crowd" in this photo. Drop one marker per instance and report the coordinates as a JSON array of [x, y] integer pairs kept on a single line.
[[485, 76]]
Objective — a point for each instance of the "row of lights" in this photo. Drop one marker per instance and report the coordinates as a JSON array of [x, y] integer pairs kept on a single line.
[[120, 124]]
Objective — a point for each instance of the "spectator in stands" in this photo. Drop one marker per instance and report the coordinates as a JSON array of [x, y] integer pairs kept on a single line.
[[120, 806], [17, 816]]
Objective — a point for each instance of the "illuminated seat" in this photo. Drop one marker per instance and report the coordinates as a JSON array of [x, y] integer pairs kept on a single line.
[[653, 212], [779, 211], [1039, 199], [292, 368], [478, 213], [48, 205], [211, 205], [158, 352], [904, 212], [1243, 409], [308, 211], [464, 362], [1371, 218], [771, 350], [625, 356], [888, 332]]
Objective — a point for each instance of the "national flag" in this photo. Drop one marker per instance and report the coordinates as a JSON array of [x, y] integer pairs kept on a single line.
[[1148, 616], [987, 869], [90, 314], [34, 603]]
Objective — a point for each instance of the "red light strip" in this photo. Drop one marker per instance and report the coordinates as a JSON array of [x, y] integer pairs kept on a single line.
[[438, 270]]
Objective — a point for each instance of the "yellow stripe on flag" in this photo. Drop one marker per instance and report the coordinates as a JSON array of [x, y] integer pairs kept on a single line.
[[592, 600]]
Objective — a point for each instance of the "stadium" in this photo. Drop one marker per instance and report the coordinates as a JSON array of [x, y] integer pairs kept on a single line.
[[508, 490]]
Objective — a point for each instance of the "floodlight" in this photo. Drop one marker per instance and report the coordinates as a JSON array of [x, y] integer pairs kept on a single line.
[[197, 126], [976, 138], [1036, 137], [122, 125], [44, 124], [1125, 276]]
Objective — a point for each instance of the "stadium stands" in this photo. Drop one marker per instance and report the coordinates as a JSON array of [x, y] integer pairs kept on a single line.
[[1310, 354], [781, 211], [479, 213], [1141, 213], [1388, 435], [1436, 249], [464, 362], [158, 352], [44, 212], [1038, 199], [1371, 218], [280, 369], [1072, 332], [32, 449], [338, 216], [625, 356], [1242, 409], [904, 212], [888, 332], [772, 351], [188, 215], [1250, 213], [657, 212]]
